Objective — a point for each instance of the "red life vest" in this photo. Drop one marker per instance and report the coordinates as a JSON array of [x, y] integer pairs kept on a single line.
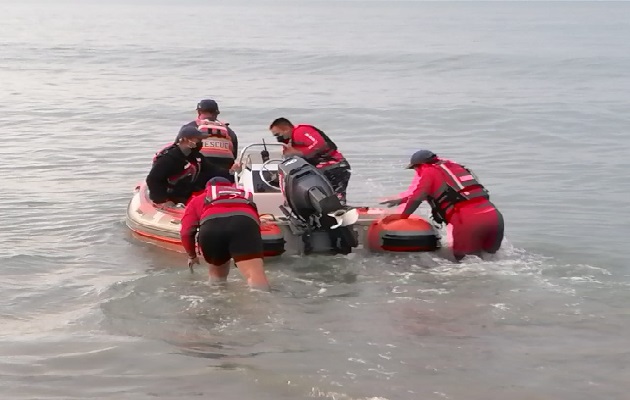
[[219, 144], [328, 156], [226, 200], [330, 145], [459, 185]]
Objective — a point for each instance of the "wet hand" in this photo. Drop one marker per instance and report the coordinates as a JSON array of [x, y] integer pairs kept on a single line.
[[236, 167], [266, 220], [192, 261], [392, 218], [392, 202]]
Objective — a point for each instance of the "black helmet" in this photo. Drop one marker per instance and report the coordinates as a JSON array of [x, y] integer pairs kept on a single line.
[[421, 157]]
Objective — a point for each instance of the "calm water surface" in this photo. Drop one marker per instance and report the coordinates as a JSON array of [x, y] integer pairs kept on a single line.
[[533, 96]]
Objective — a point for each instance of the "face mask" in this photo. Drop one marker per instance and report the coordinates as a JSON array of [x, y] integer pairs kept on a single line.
[[282, 139], [190, 147], [186, 150], [197, 147]]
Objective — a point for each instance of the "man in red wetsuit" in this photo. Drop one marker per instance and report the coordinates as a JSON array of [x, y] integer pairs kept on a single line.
[[314, 146], [457, 198], [229, 228]]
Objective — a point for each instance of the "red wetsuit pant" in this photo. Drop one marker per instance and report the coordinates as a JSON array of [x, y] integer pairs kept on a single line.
[[474, 228]]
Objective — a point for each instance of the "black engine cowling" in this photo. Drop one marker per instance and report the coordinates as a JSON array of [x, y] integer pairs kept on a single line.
[[306, 190], [312, 200]]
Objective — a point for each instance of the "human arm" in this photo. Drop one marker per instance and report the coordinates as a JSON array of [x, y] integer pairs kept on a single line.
[[157, 179], [189, 227], [419, 194], [394, 202], [306, 143], [402, 197]]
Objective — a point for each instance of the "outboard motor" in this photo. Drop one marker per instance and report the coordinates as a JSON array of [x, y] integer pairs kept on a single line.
[[315, 210]]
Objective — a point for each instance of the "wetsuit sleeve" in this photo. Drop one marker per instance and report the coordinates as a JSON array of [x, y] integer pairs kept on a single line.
[[157, 179], [190, 225], [418, 195], [412, 186], [234, 141], [310, 142]]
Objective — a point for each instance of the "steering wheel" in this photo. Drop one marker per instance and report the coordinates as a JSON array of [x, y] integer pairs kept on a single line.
[[263, 168]]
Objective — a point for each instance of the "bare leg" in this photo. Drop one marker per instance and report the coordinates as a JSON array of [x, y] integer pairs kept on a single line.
[[218, 273], [254, 272]]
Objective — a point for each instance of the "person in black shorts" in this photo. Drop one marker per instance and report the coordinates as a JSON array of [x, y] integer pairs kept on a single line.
[[229, 228]]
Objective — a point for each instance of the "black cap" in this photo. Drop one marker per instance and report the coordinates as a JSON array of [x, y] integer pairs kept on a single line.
[[188, 131], [421, 157], [207, 105]]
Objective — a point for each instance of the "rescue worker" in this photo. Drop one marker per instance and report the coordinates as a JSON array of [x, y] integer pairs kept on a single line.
[[179, 169], [225, 150], [229, 228], [458, 199], [314, 146], [217, 149]]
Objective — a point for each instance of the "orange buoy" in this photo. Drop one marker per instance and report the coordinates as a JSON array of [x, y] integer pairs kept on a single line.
[[413, 234], [273, 239]]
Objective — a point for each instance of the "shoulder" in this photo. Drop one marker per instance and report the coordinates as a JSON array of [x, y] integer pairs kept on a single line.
[[159, 155], [174, 152], [195, 204], [173, 156], [197, 200], [449, 163], [224, 123], [304, 129], [431, 174]]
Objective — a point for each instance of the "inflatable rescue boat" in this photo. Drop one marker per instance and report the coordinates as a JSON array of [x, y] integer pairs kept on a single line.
[[299, 212]]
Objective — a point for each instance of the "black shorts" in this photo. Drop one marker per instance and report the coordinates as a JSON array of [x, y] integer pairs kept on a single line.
[[234, 236]]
